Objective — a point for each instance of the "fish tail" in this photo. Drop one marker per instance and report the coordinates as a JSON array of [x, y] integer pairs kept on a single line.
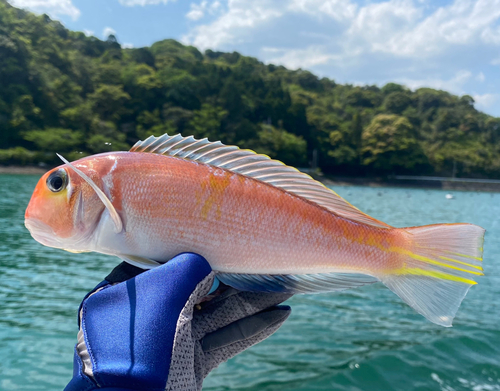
[[439, 266]]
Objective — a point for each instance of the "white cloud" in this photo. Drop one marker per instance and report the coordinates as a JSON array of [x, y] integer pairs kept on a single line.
[[107, 32], [298, 58], [50, 7], [132, 3], [198, 11], [495, 61], [338, 10], [400, 27], [241, 17], [215, 5], [455, 84], [88, 33], [397, 27], [485, 101], [480, 77], [231, 26], [127, 45], [491, 35], [375, 25]]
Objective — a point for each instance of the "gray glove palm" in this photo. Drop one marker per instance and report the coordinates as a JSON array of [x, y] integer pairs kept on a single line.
[[213, 332]]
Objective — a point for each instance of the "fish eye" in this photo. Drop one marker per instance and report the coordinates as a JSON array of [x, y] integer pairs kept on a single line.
[[57, 181]]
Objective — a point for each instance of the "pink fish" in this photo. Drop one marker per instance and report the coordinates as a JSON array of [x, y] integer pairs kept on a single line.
[[260, 224]]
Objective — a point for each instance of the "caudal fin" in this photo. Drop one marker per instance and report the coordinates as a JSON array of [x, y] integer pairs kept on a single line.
[[439, 268]]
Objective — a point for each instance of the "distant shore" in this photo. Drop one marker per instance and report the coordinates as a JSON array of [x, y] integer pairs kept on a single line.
[[23, 170], [422, 182], [461, 184]]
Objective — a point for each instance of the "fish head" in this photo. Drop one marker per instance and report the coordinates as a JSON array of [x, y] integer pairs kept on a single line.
[[64, 210]]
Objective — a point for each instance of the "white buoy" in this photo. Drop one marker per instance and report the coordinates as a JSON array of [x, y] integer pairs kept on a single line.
[[449, 196]]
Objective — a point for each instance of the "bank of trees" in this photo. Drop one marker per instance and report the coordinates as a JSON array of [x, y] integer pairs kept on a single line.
[[61, 91]]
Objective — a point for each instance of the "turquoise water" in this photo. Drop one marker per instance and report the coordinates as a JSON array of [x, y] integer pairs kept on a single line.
[[364, 339]]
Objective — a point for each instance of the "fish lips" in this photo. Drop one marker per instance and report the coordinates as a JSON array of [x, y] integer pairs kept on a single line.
[[42, 233]]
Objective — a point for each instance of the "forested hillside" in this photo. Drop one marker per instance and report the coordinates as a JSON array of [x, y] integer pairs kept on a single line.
[[61, 91]]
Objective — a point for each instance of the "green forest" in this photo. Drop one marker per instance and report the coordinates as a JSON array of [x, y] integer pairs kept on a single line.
[[62, 91]]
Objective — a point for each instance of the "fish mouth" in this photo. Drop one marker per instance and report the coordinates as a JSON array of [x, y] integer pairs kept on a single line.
[[45, 235], [42, 233]]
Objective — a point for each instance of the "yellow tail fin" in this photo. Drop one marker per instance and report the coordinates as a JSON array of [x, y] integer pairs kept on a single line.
[[440, 266]]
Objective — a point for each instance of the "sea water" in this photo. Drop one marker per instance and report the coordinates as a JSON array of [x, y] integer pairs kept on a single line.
[[363, 339]]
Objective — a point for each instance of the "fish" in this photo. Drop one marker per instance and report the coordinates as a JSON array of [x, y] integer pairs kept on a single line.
[[262, 225]]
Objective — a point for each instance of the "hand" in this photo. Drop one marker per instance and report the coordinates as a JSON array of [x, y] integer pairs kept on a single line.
[[154, 332]]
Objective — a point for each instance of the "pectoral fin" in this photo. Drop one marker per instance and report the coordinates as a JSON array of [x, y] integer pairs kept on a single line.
[[141, 262]]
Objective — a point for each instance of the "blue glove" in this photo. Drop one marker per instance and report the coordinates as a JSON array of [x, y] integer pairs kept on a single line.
[[154, 331]]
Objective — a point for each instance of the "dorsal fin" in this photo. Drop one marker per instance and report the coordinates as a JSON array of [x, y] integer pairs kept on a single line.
[[253, 165]]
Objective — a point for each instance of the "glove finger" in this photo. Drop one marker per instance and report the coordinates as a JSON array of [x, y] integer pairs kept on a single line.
[[231, 340], [231, 306], [245, 328]]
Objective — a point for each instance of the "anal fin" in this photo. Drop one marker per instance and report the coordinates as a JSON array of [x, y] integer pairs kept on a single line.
[[300, 283]]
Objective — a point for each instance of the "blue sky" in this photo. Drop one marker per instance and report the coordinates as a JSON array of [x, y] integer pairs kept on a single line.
[[449, 45]]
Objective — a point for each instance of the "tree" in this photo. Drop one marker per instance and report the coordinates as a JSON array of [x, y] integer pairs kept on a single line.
[[392, 87], [17, 155], [108, 101], [396, 102], [281, 145], [389, 143], [105, 137], [206, 122], [150, 124], [363, 97], [55, 139]]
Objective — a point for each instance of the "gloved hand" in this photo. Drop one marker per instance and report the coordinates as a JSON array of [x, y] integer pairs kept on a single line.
[[154, 332]]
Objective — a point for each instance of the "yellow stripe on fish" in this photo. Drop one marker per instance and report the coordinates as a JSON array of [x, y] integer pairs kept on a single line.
[[433, 274]]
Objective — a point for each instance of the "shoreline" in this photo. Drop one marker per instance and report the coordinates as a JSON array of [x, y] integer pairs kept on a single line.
[[23, 170], [414, 183], [456, 184]]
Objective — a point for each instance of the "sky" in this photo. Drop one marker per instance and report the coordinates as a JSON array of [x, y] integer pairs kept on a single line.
[[448, 45]]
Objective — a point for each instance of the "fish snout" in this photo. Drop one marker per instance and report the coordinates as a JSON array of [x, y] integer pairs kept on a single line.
[[41, 232], [29, 213]]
